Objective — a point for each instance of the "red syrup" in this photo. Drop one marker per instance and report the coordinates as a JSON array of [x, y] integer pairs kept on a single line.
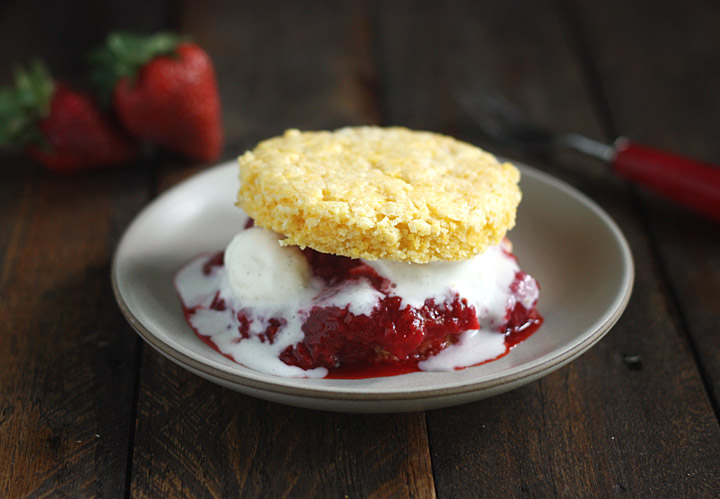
[[389, 342], [516, 331]]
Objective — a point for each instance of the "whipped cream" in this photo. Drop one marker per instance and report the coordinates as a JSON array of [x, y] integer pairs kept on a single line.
[[267, 282], [483, 280]]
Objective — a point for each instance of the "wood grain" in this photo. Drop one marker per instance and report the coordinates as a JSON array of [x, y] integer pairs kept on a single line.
[[68, 357], [308, 66], [87, 410], [678, 78], [195, 438], [578, 430], [67, 354]]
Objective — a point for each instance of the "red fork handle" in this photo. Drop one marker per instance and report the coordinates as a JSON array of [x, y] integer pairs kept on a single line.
[[691, 183]]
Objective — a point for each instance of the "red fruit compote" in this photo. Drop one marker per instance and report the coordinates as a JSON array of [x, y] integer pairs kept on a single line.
[[301, 313]]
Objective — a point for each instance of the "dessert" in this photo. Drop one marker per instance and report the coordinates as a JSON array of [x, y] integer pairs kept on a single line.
[[370, 251]]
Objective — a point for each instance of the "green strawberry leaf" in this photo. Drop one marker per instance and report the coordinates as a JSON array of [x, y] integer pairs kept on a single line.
[[124, 54], [24, 105]]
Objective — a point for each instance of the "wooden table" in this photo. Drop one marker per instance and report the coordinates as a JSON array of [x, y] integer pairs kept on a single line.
[[87, 409]]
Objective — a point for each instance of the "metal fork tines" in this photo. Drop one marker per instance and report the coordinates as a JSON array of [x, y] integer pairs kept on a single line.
[[503, 123]]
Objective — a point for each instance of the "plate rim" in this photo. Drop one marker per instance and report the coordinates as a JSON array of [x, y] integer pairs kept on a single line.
[[518, 375]]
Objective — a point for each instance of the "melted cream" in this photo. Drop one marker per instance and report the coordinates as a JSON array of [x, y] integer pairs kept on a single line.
[[484, 281], [266, 280]]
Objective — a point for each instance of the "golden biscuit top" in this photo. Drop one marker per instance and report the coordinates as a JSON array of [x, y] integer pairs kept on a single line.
[[380, 193]]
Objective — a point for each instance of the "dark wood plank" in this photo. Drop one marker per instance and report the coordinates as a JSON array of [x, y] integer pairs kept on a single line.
[[603, 425], [197, 439], [287, 65], [61, 33], [667, 103], [68, 357], [279, 65]]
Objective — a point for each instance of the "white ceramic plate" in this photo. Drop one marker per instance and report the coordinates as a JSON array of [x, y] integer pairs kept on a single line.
[[562, 238]]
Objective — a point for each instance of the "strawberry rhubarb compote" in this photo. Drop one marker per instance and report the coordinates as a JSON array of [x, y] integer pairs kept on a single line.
[[301, 313]]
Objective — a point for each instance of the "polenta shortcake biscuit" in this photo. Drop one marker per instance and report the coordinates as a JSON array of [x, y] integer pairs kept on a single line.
[[380, 193], [373, 252]]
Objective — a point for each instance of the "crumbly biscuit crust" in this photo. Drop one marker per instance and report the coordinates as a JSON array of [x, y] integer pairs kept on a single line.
[[380, 193]]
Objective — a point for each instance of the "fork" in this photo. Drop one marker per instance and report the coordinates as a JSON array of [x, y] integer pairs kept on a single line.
[[691, 183]]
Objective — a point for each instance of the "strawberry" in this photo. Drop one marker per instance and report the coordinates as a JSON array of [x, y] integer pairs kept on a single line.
[[163, 90], [63, 129]]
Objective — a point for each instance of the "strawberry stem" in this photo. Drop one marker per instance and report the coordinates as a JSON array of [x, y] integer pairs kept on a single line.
[[24, 105], [124, 54]]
